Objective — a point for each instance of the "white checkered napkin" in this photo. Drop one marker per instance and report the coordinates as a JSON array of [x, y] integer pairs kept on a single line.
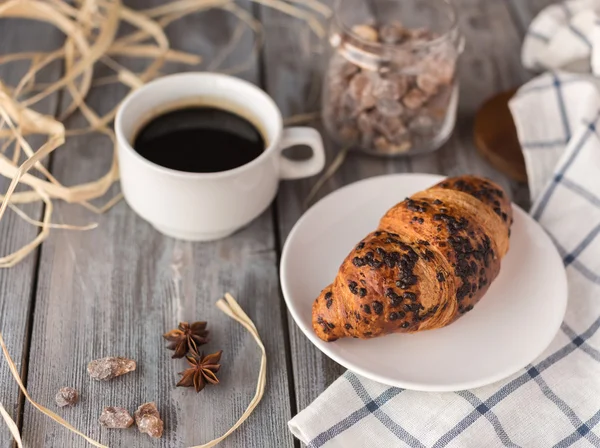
[[565, 35], [562, 99], [555, 401]]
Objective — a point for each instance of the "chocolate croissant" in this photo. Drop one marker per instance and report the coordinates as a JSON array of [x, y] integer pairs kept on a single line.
[[430, 261]]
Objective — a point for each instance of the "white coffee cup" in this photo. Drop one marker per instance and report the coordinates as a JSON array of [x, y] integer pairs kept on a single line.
[[208, 206]]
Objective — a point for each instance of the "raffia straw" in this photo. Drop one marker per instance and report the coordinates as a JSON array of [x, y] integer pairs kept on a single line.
[[37, 64], [148, 51], [255, 26], [12, 426], [310, 20], [37, 223], [90, 28], [77, 91], [238, 32], [14, 258], [140, 21], [7, 143], [181, 6], [227, 305], [301, 118], [330, 171], [9, 113], [65, 8], [7, 58], [39, 407], [107, 206], [33, 122], [169, 17], [16, 152], [107, 80], [230, 307], [41, 11], [153, 30], [37, 10], [126, 76], [316, 6]]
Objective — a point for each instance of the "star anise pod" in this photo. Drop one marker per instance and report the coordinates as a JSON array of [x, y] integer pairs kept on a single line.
[[202, 370], [186, 337]]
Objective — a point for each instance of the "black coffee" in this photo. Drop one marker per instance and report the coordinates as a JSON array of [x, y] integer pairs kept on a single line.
[[199, 139]]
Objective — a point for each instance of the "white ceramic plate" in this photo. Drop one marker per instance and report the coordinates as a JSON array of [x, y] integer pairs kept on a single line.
[[511, 325]]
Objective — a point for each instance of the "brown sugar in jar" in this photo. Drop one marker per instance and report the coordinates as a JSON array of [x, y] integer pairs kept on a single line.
[[390, 88]]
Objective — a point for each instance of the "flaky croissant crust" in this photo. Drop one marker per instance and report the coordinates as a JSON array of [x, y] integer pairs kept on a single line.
[[430, 261]]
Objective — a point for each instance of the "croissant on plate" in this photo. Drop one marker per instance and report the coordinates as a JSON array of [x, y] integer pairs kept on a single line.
[[432, 258]]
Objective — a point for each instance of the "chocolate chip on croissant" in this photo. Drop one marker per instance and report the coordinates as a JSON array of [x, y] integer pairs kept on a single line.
[[432, 258]]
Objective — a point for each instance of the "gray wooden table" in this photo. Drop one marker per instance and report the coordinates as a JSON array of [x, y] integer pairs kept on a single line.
[[116, 289]]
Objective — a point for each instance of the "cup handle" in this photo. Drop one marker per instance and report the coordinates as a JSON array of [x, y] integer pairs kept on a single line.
[[296, 169]]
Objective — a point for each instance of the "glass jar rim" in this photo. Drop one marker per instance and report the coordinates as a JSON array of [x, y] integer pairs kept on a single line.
[[449, 34]]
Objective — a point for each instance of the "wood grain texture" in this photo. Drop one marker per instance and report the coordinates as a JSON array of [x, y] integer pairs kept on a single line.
[[16, 284], [115, 290], [490, 64]]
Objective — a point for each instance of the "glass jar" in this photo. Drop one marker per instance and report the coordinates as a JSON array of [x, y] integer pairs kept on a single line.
[[390, 86]]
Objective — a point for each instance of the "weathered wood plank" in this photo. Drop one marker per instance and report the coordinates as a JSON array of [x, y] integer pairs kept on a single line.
[[490, 64], [16, 283], [115, 290]]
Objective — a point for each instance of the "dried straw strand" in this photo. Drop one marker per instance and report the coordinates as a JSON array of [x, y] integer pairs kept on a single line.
[[90, 27], [107, 206], [39, 407], [12, 426], [38, 10], [293, 11], [35, 222], [255, 26], [227, 305], [330, 171], [149, 51], [181, 6], [316, 6], [230, 307], [238, 32], [301, 118]]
